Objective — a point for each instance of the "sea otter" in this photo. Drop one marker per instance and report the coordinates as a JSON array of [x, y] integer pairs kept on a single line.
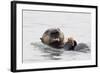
[[53, 37], [70, 44]]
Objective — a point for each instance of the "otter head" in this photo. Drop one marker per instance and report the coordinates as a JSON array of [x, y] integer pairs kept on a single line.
[[53, 37]]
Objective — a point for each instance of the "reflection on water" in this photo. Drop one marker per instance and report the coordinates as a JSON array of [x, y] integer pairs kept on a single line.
[[44, 53], [51, 53]]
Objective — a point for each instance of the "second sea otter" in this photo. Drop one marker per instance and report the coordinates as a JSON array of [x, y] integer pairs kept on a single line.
[[70, 44]]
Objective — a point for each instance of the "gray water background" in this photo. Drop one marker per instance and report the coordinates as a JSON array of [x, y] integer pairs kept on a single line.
[[77, 25]]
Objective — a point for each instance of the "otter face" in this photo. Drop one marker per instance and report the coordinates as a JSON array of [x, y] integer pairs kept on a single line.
[[53, 38], [54, 35]]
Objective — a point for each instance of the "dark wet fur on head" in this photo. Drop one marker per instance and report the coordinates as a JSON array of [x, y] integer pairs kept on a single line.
[[54, 38], [54, 34]]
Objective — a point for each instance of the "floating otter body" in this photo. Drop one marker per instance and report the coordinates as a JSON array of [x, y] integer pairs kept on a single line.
[[53, 38]]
